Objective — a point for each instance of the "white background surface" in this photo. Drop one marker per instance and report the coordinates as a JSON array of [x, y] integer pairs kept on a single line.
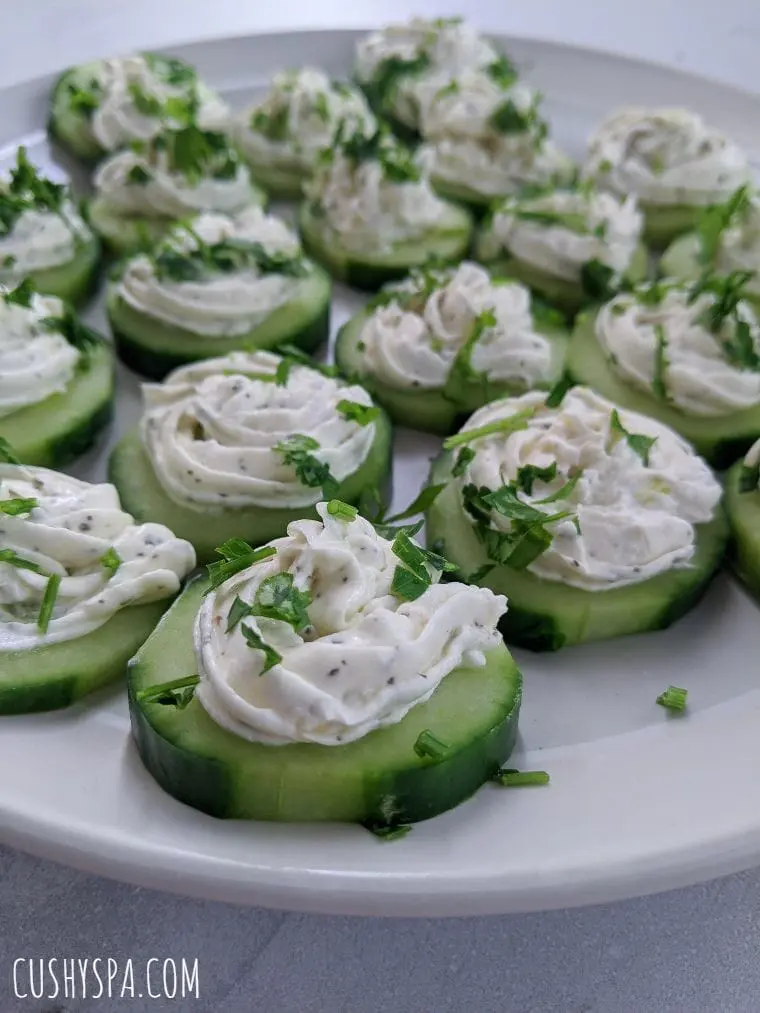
[[690, 951]]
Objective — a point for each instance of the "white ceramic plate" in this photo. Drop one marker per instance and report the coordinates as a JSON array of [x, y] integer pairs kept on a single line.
[[639, 800]]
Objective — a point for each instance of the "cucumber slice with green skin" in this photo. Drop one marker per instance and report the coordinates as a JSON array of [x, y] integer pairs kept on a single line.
[[432, 410], [720, 439], [567, 296], [663, 223], [743, 509], [377, 780], [142, 495], [127, 234], [49, 677], [68, 128], [73, 281], [65, 425], [545, 615], [154, 348], [279, 182], [448, 244]]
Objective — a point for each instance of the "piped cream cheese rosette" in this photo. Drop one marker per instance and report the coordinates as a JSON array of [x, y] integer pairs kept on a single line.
[[370, 214], [221, 283], [240, 445], [441, 343], [144, 190], [688, 355], [101, 107], [56, 378], [671, 160], [336, 678], [571, 245], [282, 134], [486, 138], [81, 586], [594, 520], [43, 237]]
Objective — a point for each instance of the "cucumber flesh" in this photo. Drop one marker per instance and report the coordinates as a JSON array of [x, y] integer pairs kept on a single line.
[[142, 495], [720, 439], [664, 223], [154, 348], [448, 244], [65, 425], [743, 509], [681, 259], [431, 410], [68, 128], [73, 281], [545, 615], [54, 676], [378, 779]]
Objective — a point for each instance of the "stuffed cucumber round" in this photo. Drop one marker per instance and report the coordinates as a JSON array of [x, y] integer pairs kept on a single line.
[[384, 742], [594, 521], [81, 587], [743, 509], [686, 355], [227, 283], [239, 446], [440, 344]]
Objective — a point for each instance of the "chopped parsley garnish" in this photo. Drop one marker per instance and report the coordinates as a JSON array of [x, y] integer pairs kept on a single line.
[[520, 778], [740, 350], [396, 161], [282, 373], [531, 473], [424, 499], [17, 506], [636, 441], [749, 477], [9, 261], [138, 176], [26, 190], [196, 153], [510, 424], [461, 370], [296, 453], [111, 560], [714, 221], [12, 558], [21, 295], [346, 512], [303, 359], [413, 578], [652, 294], [659, 385], [508, 119], [389, 72], [541, 312], [252, 638], [728, 291], [673, 698], [278, 598], [272, 125], [502, 71], [321, 107], [143, 101], [463, 459], [48, 602], [178, 693], [428, 745], [236, 555], [556, 395], [7, 455], [362, 414], [597, 279], [566, 491], [73, 330], [84, 101], [228, 255]]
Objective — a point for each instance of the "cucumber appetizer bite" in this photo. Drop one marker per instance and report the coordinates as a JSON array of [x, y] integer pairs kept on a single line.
[[140, 193], [239, 446], [727, 239], [688, 355], [56, 379], [595, 521], [81, 586], [486, 138], [743, 509], [443, 342], [573, 246], [671, 160], [103, 106], [43, 237], [218, 284], [401, 66], [281, 135], [328, 675], [370, 214]]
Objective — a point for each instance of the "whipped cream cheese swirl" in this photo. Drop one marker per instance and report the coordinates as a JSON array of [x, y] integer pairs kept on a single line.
[[414, 339], [632, 513], [665, 157], [218, 303], [36, 360], [669, 349], [561, 231], [78, 532], [211, 431], [364, 660]]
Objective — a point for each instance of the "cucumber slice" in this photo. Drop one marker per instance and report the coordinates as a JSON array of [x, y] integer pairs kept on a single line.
[[567, 296], [459, 193], [378, 779], [65, 425], [448, 244], [68, 128], [73, 281], [431, 410], [142, 496], [743, 509], [719, 439], [54, 676], [155, 348], [127, 234], [545, 615], [279, 182], [663, 223]]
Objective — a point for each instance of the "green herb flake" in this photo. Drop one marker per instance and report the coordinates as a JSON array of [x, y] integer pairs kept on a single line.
[[178, 693], [7, 454], [462, 461], [659, 386], [344, 511], [749, 477], [597, 279], [138, 176], [673, 698], [254, 641], [503, 72], [421, 503], [310, 471], [9, 261], [636, 441], [236, 555], [15, 507], [427, 745], [566, 491], [272, 125], [145, 103], [361, 414], [238, 610], [556, 395], [531, 473], [21, 295], [510, 424], [714, 221], [48, 602], [282, 373], [461, 371], [69, 326], [111, 560], [520, 778], [278, 598]]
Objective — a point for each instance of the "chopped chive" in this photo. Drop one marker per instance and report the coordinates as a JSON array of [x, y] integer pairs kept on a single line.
[[519, 778], [178, 693], [511, 424], [673, 698], [13, 559], [337, 508], [660, 363], [111, 560], [556, 395], [16, 506], [237, 555], [48, 602], [428, 745]]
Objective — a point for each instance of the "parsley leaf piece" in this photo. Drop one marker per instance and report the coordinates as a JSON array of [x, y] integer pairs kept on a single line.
[[413, 578], [659, 385], [636, 441], [749, 477], [596, 279], [236, 555], [48, 602], [17, 506], [346, 512], [463, 459], [714, 221], [21, 295], [301, 358], [408, 585], [508, 119], [12, 558], [531, 473], [387, 75], [362, 414], [171, 265], [273, 125], [740, 350], [556, 395], [238, 610], [461, 371], [252, 638], [565, 492], [73, 330], [84, 101], [278, 598], [138, 176], [111, 560], [510, 424], [143, 101], [7, 455], [310, 471], [282, 373], [502, 71], [178, 693], [424, 499]]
